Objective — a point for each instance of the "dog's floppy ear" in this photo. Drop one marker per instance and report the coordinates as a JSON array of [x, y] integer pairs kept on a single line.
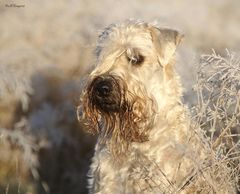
[[165, 41]]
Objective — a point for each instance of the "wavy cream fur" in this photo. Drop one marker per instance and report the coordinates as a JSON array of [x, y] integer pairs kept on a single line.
[[173, 158]]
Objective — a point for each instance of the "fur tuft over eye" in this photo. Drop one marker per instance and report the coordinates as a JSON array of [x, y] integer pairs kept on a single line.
[[134, 57]]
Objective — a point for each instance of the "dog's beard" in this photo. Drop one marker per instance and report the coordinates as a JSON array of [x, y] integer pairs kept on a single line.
[[123, 118]]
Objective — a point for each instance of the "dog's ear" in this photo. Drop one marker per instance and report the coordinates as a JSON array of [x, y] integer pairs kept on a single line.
[[165, 41]]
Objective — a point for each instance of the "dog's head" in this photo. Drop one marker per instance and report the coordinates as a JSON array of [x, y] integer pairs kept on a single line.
[[132, 82]]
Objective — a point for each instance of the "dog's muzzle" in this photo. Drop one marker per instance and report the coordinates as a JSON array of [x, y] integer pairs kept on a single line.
[[105, 94]]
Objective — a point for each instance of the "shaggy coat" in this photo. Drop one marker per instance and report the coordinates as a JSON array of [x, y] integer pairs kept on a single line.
[[132, 100]]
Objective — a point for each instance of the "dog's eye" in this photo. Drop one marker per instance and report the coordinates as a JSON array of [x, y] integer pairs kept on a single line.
[[135, 59]]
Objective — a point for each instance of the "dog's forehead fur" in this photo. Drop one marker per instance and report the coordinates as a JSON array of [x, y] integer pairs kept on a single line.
[[156, 45], [119, 43], [124, 30], [125, 35]]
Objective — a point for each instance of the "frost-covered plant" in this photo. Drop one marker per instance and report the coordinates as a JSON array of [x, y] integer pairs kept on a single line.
[[21, 138], [218, 109], [19, 159], [14, 85]]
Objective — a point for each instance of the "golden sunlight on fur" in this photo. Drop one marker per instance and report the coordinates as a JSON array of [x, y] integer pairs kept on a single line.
[[132, 100]]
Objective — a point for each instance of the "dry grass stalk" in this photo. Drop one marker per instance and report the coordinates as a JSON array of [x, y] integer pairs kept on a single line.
[[218, 110]]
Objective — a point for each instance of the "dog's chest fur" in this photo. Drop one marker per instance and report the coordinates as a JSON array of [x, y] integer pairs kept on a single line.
[[155, 166]]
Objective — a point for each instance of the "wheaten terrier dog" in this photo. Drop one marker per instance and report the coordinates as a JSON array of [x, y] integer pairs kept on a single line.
[[132, 100]]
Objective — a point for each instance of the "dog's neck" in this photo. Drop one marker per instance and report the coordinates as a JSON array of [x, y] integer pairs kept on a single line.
[[170, 110], [168, 94]]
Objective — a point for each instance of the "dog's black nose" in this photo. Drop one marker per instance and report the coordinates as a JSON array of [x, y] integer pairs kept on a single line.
[[103, 88], [105, 93]]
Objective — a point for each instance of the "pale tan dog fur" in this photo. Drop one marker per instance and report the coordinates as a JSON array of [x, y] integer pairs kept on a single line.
[[156, 151]]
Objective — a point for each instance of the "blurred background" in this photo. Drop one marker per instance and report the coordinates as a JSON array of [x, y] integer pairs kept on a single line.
[[46, 49]]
